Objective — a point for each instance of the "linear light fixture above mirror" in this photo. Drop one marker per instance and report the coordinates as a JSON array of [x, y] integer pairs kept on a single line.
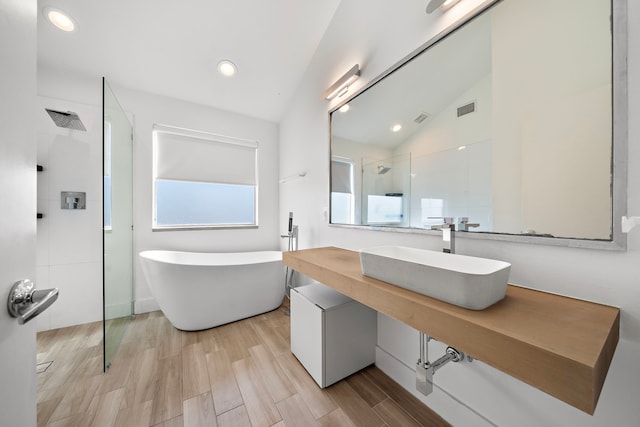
[[443, 5], [341, 86]]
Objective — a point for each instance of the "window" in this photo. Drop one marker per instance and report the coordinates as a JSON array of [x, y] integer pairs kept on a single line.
[[342, 200], [203, 180]]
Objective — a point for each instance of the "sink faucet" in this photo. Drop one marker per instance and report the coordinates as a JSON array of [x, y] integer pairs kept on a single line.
[[448, 235], [464, 224]]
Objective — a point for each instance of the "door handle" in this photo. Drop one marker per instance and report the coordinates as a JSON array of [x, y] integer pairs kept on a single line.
[[26, 302]]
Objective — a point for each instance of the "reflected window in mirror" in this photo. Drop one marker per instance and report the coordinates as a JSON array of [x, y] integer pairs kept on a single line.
[[342, 197]]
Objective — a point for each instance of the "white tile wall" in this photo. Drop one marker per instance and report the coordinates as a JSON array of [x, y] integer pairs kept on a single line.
[[80, 299], [75, 235], [69, 251]]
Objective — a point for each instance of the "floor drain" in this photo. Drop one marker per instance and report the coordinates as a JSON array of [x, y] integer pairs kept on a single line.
[[41, 367]]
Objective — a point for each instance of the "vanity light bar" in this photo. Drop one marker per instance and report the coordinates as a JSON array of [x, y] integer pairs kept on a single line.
[[341, 86], [448, 4], [443, 5]]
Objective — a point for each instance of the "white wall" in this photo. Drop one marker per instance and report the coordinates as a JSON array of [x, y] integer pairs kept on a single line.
[[69, 249], [376, 38]]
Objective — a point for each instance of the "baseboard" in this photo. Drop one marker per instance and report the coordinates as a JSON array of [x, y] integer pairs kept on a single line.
[[146, 305]]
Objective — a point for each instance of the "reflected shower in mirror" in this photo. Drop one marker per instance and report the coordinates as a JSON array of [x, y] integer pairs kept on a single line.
[[505, 121]]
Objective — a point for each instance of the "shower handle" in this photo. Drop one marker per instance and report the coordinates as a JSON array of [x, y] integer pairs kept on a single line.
[[26, 302]]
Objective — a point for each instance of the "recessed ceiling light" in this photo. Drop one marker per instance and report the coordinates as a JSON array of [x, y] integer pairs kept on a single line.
[[60, 19], [344, 108], [227, 68], [396, 127]]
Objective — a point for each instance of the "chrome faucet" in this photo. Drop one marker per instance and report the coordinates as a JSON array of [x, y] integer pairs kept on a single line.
[[293, 238], [448, 234], [464, 224], [292, 234]]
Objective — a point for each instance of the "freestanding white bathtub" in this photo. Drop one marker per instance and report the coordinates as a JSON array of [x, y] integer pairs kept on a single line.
[[201, 290]]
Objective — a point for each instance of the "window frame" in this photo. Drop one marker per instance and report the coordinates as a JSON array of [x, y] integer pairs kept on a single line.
[[189, 133]]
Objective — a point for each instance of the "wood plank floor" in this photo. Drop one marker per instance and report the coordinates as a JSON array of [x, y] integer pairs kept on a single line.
[[240, 374]]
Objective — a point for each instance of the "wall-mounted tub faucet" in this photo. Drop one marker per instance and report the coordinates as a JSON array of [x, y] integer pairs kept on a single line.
[[448, 234]]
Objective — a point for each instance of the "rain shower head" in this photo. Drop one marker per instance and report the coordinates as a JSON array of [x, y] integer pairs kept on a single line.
[[68, 119], [383, 169]]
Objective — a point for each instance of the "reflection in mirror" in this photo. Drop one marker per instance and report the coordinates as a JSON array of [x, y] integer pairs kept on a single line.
[[385, 182], [506, 125]]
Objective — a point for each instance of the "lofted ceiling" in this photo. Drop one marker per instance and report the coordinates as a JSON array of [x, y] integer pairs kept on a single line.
[[428, 84], [172, 48]]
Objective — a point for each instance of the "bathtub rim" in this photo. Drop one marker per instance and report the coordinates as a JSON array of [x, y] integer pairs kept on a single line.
[[211, 259]]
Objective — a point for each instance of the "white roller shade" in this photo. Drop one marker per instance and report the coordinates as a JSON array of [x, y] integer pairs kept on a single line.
[[341, 177], [186, 155]]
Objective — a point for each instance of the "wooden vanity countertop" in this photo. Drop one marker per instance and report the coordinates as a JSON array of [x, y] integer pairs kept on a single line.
[[562, 346]]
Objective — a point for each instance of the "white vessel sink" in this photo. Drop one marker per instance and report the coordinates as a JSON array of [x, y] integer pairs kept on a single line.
[[465, 281]]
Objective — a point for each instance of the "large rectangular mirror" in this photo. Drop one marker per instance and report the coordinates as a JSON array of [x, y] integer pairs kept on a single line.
[[506, 124]]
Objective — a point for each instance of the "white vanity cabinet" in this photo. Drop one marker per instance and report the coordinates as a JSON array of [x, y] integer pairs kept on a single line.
[[332, 335]]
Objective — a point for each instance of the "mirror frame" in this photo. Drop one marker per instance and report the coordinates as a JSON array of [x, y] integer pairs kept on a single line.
[[620, 120]]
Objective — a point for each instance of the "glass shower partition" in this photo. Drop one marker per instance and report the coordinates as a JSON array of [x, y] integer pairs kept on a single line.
[[117, 140]]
